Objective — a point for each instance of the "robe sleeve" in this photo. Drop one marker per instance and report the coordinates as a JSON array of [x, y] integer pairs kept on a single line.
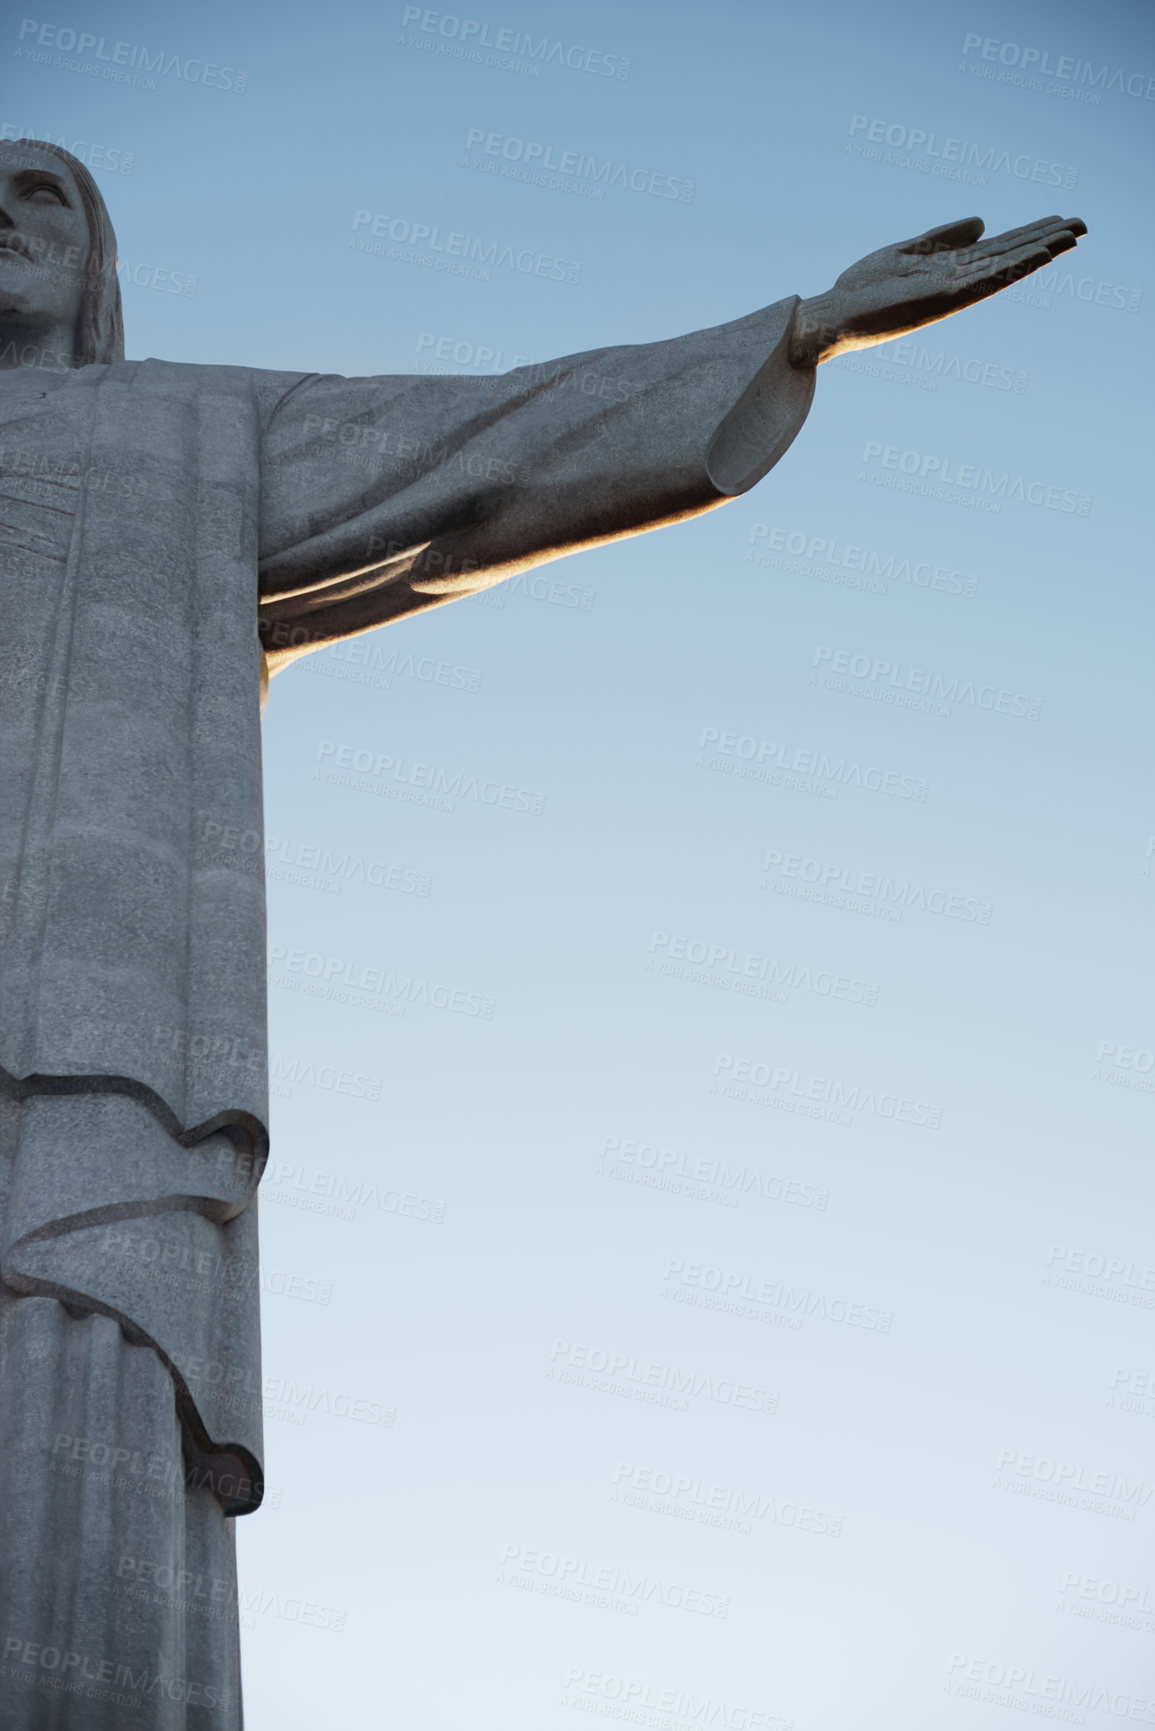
[[381, 496]]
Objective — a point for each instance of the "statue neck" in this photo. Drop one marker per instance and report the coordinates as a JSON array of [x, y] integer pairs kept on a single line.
[[35, 348]]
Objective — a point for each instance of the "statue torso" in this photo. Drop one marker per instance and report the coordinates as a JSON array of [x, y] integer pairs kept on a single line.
[[43, 452]]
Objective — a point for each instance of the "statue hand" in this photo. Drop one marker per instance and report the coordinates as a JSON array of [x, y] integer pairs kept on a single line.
[[901, 288]]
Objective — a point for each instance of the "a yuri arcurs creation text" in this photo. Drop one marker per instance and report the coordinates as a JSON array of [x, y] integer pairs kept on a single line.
[[169, 535]]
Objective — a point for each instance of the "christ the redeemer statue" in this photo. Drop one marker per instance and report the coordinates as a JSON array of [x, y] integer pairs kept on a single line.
[[168, 535]]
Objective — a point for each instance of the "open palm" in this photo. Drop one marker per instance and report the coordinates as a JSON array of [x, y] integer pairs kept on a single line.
[[900, 288]]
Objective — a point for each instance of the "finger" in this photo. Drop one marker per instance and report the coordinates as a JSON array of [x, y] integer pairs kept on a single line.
[[1035, 230], [1026, 231], [1062, 243], [1058, 238], [992, 267], [995, 244], [1042, 232], [999, 273]]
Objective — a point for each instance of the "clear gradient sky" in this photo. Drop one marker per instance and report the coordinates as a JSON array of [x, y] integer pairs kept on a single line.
[[601, 1376]]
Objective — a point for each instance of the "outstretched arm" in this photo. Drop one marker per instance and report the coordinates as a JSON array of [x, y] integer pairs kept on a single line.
[[384, 496], [916, 282]]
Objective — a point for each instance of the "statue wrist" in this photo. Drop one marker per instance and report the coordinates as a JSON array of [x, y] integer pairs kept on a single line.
[[818, 325]]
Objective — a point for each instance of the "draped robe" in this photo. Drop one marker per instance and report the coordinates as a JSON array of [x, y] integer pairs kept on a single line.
[[227, 519]]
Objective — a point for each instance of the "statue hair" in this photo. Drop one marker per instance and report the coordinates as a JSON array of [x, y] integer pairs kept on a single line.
[[100, 325]]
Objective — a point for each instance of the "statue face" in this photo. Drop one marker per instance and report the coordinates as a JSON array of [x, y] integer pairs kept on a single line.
[[44, 242]]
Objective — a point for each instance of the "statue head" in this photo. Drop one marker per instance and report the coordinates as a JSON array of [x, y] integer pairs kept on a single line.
[[57, 253]]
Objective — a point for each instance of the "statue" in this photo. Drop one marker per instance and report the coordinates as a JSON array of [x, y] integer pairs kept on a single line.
[[171, 534]]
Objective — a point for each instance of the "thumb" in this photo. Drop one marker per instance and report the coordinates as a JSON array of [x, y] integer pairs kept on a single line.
[[962, 233]]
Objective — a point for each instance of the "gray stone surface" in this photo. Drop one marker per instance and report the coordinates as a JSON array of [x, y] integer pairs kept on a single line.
[[170, 533], [118, 1595]]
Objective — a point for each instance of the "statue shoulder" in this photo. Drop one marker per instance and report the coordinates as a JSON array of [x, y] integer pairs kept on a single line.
[[206, 375], [190, 381]]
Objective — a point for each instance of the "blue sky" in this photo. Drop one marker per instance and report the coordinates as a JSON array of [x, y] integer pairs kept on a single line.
[[524, 1224]]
